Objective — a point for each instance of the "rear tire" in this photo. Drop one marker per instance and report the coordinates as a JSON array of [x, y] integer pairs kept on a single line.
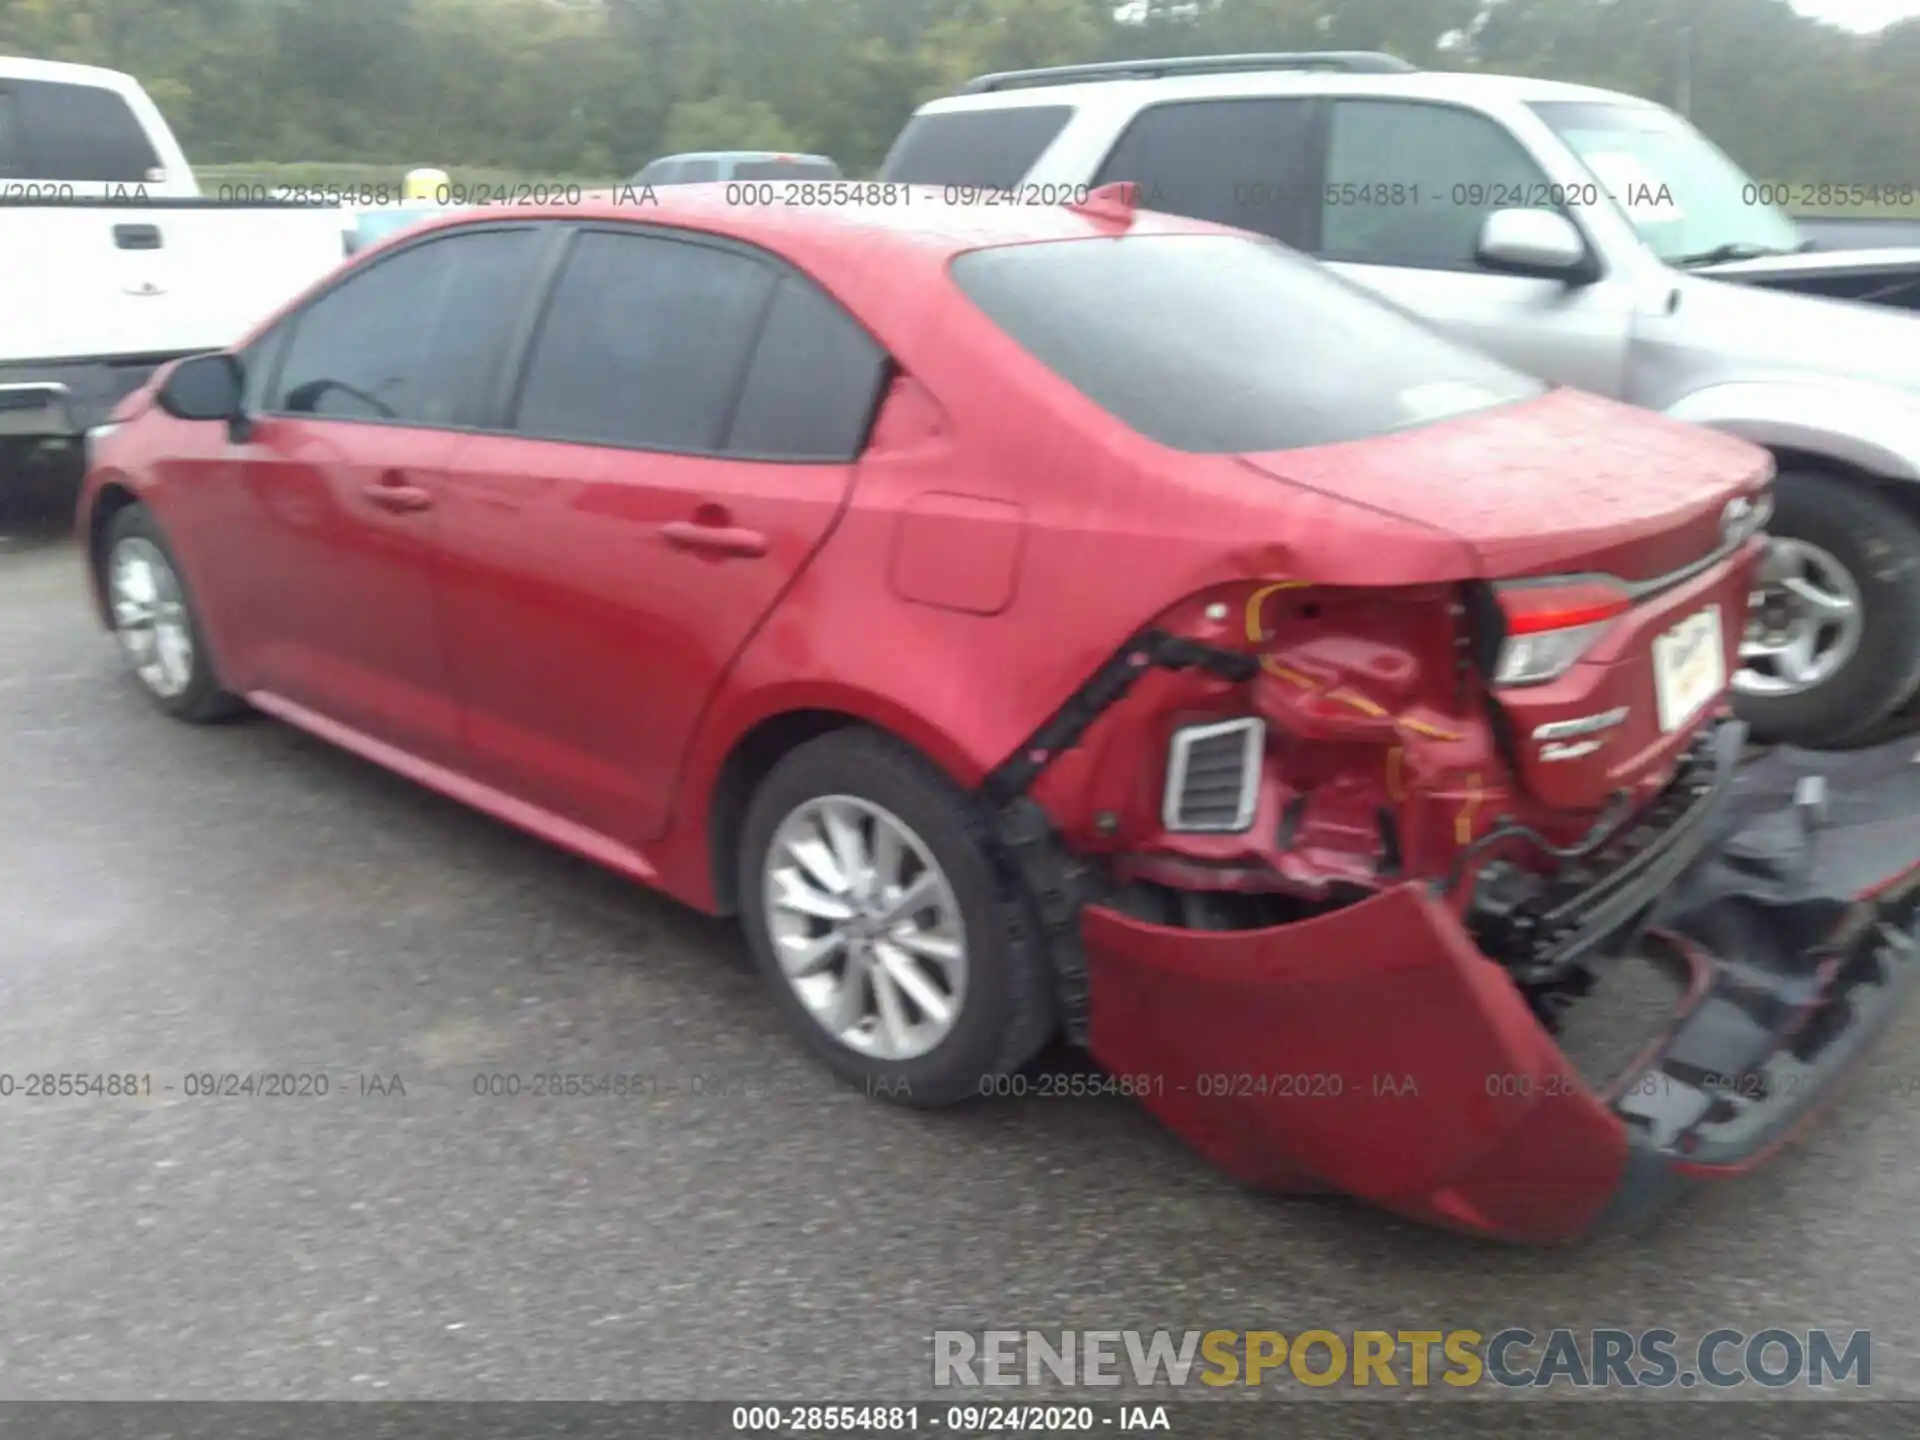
[[1877, 547], [828, 801], [156, 623]]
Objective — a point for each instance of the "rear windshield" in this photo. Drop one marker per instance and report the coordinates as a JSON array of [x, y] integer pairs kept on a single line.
[[786, 170], [992, 149], [79, 132], [1222, 343]]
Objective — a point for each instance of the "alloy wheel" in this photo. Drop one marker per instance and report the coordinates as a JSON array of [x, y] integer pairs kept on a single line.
[[1804, 623], [866, 927], [150, 616]]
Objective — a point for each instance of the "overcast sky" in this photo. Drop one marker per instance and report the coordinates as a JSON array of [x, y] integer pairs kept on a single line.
[[1859, 14]]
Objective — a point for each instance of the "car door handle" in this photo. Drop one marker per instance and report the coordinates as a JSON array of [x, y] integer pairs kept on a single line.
[[714, 539], [390, 492]]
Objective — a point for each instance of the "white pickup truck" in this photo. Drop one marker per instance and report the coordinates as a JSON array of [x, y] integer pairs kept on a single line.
[[112, 262]]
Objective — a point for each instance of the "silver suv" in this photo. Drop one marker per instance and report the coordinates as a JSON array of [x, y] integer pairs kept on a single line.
[[1590, 237]]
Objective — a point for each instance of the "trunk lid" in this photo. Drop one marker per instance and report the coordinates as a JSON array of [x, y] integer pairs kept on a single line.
[[1574, 486], [1568, 482]]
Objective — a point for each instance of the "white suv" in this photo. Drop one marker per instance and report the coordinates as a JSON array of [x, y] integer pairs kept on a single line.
[[1592, 238]]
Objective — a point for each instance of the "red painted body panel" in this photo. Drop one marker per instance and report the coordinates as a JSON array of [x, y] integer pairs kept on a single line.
[[541, 642], [1369, 1049]]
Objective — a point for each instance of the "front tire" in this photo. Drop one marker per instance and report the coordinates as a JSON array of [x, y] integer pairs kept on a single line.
[[883, 928], [155, 622], [1832, 648]]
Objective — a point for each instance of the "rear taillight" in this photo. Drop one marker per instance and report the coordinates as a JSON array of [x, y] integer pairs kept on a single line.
[[1549, 624]]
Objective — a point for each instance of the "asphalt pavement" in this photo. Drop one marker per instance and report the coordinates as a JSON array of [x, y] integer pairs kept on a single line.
[[240, 900]]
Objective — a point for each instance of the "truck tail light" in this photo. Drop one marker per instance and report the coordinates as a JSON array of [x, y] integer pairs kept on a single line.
[[1547, 625]]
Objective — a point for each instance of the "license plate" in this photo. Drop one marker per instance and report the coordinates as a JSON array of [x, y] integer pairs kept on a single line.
[[1689, 667]]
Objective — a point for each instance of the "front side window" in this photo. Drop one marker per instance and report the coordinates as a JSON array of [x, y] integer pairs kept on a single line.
[[1244, 163], [1411, 184], [644, 343], [697, 172], [790, 169], [1223, 343], [1680, 192], [408, 340], [13, 150]]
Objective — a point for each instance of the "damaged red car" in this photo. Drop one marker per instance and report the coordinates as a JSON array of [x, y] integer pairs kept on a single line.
[[1036, 621]]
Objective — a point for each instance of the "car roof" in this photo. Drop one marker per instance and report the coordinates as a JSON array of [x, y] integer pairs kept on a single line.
[[882, 260], [1418, 84], [62, 72], [737, 155]]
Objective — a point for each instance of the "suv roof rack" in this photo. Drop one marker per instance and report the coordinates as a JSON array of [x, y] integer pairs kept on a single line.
[[1352, 62]]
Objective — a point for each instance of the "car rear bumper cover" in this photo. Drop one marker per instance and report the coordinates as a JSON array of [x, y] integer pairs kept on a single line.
[[1376, 1050]]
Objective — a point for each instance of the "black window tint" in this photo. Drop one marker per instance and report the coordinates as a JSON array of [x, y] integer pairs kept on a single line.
[[257, 364], [410, 339], [990, 148], [1245, 163], [786, 170], [644, 343], [84, 133], [697, 172], [813, 382], [13, 152], [652, 173], [1422, 179], [1222, 343]]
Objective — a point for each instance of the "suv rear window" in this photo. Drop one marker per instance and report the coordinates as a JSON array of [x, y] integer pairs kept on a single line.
[[1216, 344], [81, 132], [786, 170], [993, 149]]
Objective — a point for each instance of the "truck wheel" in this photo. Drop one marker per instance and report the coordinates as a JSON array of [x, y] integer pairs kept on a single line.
[[881, 925], [155, 621], [1832, 646]]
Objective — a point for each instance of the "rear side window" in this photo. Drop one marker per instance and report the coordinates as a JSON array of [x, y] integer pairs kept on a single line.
[[644, 343], [409, 339], [81, 132], [786, 170], [1251, 164], [13, 153], [813, 383], [1222, 343], [993, 149]]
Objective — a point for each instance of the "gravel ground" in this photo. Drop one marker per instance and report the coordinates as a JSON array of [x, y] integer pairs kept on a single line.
[[178, 901]]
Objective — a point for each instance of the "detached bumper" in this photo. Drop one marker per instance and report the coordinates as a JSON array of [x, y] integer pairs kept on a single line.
[[1375, 1050]]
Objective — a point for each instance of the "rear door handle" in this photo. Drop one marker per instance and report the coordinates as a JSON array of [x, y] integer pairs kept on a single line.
[[137, 237], [392, 492], [714, 539]]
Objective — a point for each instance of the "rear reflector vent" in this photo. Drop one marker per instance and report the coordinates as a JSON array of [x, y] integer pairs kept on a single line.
[[1213, 776]]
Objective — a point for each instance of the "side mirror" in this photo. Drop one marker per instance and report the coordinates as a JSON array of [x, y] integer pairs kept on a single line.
[[1542, 244], [204, 387]]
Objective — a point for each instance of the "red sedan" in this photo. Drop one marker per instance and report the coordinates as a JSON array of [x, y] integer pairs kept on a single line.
[[1025, 621]]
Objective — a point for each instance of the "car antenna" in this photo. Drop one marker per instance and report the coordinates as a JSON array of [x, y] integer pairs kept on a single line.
[[1113, 203]]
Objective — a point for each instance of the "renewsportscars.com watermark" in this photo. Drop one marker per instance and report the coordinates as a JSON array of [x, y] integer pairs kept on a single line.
[[1418, 1359]]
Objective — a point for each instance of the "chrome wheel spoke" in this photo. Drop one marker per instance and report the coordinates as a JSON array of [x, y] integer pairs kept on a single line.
[[797, 895], [937, 948], [846, 1002], [924, 890], [808, 957], [900, 969], [1816, 600], [849, 851], [818, 861], [895, 1029]]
